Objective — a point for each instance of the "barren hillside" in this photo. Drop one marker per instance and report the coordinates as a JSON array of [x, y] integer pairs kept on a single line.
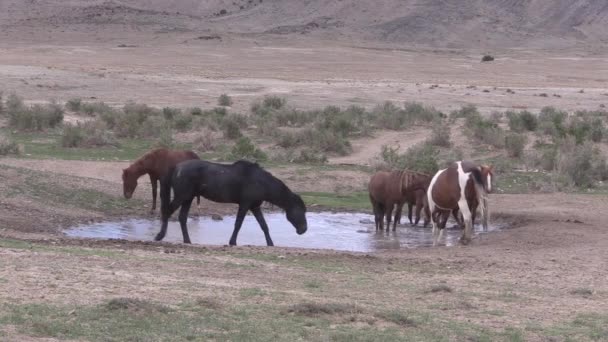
[[439, 23]]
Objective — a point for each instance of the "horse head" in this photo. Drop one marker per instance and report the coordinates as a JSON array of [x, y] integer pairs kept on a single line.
[[487, 175], [296, 214], [129, 183]]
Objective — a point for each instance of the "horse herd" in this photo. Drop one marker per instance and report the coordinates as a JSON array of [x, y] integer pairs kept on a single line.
[[460, 190]]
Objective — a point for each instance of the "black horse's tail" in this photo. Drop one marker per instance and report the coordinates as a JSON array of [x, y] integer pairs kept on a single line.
[[482, 196], [166, 182]]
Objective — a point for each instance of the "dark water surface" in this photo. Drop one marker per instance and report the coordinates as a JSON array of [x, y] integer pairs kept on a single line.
[[338, 231]]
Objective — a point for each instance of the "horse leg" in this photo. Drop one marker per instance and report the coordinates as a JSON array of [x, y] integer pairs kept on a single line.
[[398, 212], [257, 212], [389, 213], [380, 217], [409, 212], [418, 211], [166, 212], [240, 216], [427, 215], [154, 182], [463, 206], [183, 219]]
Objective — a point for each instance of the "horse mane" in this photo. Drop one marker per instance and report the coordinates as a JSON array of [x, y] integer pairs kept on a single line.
[[140, 162]]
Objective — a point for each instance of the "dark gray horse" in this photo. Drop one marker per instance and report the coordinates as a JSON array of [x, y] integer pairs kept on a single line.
[[244, 183]]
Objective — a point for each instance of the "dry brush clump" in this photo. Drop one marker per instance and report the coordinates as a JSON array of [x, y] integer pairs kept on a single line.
[[36, 117], [8, 146], [88, 134]]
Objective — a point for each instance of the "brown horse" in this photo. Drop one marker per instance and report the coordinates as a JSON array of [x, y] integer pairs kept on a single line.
[[415, 198], [387, 189], [463, 186], [156, 164]]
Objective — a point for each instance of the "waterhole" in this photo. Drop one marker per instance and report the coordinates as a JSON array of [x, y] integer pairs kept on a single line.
[[338, 231]]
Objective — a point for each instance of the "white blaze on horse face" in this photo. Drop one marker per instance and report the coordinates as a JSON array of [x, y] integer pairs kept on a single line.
[[463, 205]]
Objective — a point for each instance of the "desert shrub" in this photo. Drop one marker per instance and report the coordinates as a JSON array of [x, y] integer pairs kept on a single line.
[[8, 146], [325, 141], [486, 131], [36, 117], [74, 104], [1, 104], [196, 111], [274, 102], [597, 131], [422, 157], [487, 58], [231, 130], [141, 110], [581, 164], [515, 143], [231, 125], [551, 121], [91, 108], [294, 117], [310, 156], [87, 134], [389, 116], [170, 113], [151, 127], [339, 122], [522, 121], [440, 135], [206, 140], [465, 112], [165, 138], [416, 112], [245, 149], [110, 118], [128, 125], [14, 104], [182, 122], [224, 100]]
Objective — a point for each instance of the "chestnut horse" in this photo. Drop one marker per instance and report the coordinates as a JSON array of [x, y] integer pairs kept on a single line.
[[156, 164], [463, 186], [418, 199], [387, 189]]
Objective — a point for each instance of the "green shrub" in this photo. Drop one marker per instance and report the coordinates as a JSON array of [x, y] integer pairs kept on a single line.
[[486, 131], [231, 129], [465, 112], [196, 111], [552, 121], [274, 102], [165, 138], [128, 125], [245, 149], [325, 141], [37, 117], [416, 112], [522, 121], [171, 113], [1, 104], [91, 108], [581, 164], [310, 156], [182, 122], [8, 146], [141, 110], [440, 135], [422, 157], [110, 118], [152, 127], [389, 116], [74, 104], [515, 143], [224, 100], [88, 134]]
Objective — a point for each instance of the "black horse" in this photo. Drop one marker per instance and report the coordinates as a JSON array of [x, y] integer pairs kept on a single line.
[[244, 183]]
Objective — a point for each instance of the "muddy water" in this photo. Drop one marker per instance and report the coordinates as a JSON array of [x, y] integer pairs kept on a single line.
[[338, 231]]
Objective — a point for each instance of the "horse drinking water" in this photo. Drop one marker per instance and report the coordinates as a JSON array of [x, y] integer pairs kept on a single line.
[[462, 186], [387, 189], [243, 183], [156, 164]]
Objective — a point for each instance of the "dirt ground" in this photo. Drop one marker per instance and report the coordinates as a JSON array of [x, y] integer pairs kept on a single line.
[[548, 268]]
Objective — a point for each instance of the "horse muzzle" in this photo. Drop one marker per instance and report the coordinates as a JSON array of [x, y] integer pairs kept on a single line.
[[128, 195], [302, 229]]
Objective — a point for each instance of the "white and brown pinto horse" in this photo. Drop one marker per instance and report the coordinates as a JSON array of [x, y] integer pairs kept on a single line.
[[462, 186]]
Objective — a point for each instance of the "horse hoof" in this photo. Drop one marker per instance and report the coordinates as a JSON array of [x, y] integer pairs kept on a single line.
[[158, 237]]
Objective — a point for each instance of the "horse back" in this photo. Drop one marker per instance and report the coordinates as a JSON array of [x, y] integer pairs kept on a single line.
[[384, 187]]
